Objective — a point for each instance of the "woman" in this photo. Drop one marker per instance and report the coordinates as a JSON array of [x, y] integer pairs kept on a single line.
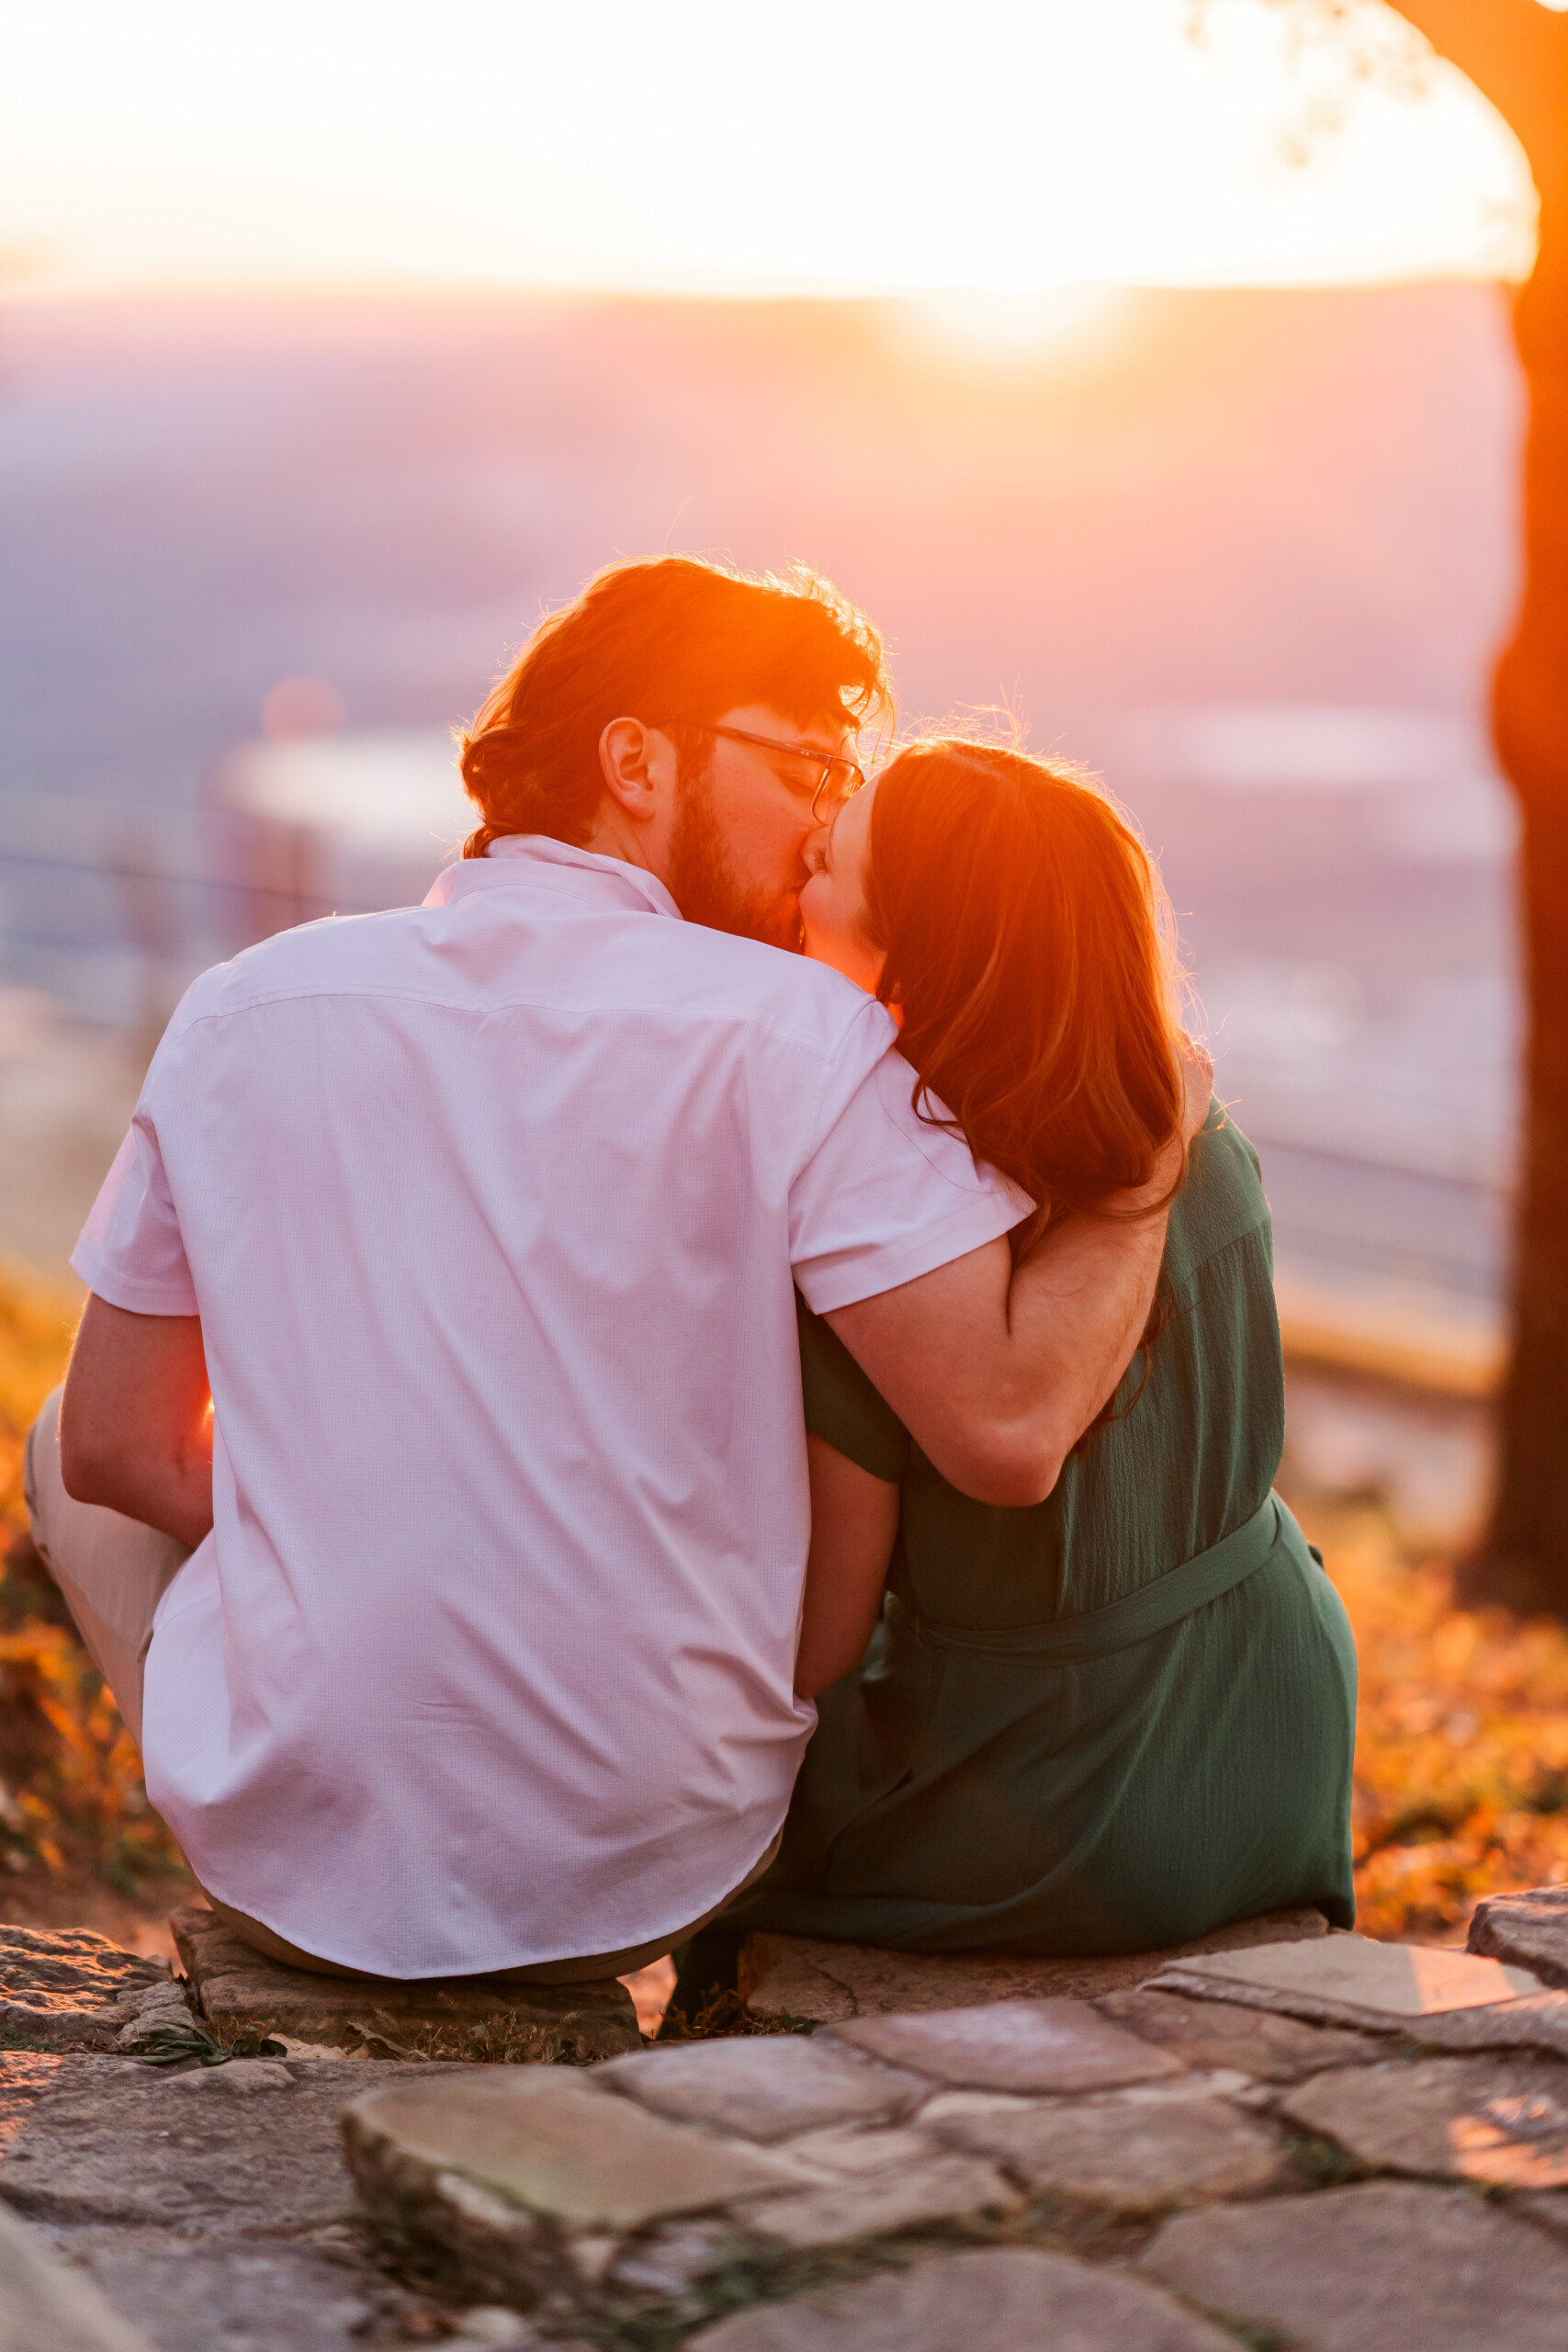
[[1125, 1715]]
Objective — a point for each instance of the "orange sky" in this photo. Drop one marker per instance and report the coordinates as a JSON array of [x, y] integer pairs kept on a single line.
[[823, 144]]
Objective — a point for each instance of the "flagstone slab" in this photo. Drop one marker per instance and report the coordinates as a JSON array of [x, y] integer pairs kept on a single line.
[[25, 2075], [1383, 2267], [1004, 2299], [1495, 2120], [1127, 2158], [942, 2189], [1062, 2046], [1349, 1979], [115, 2141], [809, 1977], [234, 2294], [68, 1988], [1529, 1930], [545, 2141], [1219, 2034], [1536, 2021], [842, 2149], [764, 2086], [476, 2019], [46, 2306]]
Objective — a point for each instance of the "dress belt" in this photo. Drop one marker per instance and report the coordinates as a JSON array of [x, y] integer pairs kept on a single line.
[[1072, 1641]]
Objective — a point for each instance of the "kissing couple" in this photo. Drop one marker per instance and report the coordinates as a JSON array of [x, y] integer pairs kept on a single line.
[[590, 1417]]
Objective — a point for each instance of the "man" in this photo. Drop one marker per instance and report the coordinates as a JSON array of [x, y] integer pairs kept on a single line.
[[479, 1222]]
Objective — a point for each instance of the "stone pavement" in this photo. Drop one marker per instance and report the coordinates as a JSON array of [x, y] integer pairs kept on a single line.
[[67, 1988], [1193, 2163], [210, 2206], [1325, 2144], [471, 2017], [46, 2307], [805, 1977], [1530, 1929]]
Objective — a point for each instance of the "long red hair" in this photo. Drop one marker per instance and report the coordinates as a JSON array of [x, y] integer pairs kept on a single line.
[[1026, 939]]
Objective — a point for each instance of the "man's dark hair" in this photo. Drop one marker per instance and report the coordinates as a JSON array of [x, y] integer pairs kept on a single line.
[[676, 642]]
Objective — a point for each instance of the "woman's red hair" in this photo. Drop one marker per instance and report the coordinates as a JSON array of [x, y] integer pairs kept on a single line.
[[1026, 933]]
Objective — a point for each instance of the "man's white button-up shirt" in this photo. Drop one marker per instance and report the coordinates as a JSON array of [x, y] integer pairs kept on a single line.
[[490, 1210]]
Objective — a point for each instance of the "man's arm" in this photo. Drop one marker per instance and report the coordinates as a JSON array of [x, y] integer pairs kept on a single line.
[[996, 1373], [136, 1420], [854, 1517]]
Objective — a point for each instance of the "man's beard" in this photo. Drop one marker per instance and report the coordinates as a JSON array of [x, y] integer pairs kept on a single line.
[[705, 883]]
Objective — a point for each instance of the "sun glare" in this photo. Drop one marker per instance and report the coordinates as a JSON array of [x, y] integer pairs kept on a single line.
[[834, 146]]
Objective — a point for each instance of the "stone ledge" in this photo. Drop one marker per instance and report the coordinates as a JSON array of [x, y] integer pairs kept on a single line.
[[114, 2143], [1416, 1989], [806, 1976], [64, 1988], [210, 2206], [468, 2018], [1530, 1931]]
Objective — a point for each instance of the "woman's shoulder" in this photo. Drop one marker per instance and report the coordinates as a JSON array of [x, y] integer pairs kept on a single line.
[[1222, 1199]]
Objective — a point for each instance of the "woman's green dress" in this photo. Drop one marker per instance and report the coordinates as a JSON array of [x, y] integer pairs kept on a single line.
[[1117, 1719]]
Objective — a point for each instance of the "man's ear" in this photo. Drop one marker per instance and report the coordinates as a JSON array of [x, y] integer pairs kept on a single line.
[[639, 766]]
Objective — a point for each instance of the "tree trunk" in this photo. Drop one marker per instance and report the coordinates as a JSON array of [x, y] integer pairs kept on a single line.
[[1524, 1559], [1516, 53]]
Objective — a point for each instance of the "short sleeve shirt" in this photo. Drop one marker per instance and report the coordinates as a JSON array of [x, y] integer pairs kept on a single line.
[[493, 1211]]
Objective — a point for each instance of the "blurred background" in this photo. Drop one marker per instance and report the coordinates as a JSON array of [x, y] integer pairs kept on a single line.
[[1143, 367]]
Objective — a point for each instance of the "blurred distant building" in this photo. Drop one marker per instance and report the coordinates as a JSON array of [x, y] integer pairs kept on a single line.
[[112, 908], [343, 825]]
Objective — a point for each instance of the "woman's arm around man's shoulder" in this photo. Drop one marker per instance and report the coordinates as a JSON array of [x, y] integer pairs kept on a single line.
[[997, 1371]]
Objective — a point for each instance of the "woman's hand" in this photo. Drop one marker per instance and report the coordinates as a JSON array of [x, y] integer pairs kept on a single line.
[[1198, 1077], [854, 1518]]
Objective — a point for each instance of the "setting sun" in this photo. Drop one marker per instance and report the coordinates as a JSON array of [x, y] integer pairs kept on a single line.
[[707, 149]]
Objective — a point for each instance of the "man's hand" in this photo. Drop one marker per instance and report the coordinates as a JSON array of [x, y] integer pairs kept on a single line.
[[997, 1372], [136, 1420]]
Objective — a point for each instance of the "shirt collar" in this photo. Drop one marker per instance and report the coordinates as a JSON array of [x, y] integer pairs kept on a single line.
[[576, 873]]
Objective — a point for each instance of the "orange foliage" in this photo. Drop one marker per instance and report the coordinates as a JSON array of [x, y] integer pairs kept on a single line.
[[1461, 1751], [81, 1803], [71, 1792]]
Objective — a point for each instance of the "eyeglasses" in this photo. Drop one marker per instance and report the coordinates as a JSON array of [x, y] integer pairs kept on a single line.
[[838, 779]]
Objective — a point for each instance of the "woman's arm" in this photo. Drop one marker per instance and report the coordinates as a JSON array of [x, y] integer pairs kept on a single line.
[[854, 1517], [996, 1372]]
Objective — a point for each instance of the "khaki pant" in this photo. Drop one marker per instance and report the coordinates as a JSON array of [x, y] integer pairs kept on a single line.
[[113, 1572]]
